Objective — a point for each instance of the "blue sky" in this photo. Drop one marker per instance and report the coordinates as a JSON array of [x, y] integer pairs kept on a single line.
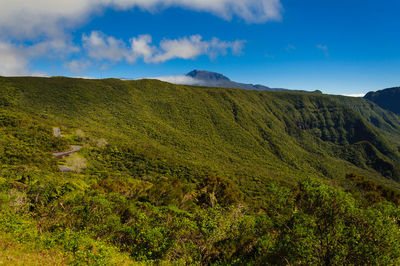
[[339, 47]]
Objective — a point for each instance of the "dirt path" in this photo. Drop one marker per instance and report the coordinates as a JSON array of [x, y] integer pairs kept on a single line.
[[63, 154]]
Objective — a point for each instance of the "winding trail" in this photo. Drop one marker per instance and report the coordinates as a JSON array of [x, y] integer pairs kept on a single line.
[[63, 154]]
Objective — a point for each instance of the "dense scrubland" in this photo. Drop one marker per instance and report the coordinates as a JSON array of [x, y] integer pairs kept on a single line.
[[180, 174]]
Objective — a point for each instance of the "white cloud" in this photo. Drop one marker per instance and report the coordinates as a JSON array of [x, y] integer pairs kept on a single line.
[[185, 48], [77, 66], [324, 49], [13, 62], [45, 25], [216, 47], [32, 18], [15, 59], [84, 77], [193, 46], [355, 95], [180, 79], [102, 47], [141, 48], [237, 47]]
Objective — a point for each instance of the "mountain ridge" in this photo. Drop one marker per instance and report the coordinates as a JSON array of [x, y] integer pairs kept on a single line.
[[388, 99], [214, 79], [305, 108]]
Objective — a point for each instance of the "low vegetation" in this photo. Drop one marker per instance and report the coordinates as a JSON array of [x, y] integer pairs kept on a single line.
[[190, 175]]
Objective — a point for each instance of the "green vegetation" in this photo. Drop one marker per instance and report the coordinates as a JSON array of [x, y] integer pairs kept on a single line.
[[179, 174], [388, 123], [387, 99]]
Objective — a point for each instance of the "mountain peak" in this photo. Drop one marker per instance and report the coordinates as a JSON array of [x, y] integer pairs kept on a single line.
[[387, 99], [213, 79], [207, 76]]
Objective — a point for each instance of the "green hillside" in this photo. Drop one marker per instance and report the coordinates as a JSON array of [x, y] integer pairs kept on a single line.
[[185, 174], [385, 121], [387, 99]]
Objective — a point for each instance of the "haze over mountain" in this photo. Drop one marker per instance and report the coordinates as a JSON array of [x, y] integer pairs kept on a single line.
[[213, 79], [388, 99]]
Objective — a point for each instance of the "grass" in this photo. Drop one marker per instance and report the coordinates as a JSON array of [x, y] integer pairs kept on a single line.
[[15, 253]]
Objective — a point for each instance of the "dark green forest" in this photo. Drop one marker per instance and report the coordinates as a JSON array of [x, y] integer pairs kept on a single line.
[[387, 98], [172, 174]]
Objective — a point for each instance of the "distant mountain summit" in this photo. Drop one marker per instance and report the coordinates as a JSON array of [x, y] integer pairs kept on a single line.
[[388, 99], [207, 76], [213, 79]]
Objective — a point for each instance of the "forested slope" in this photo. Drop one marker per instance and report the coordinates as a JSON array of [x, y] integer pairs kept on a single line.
[[388, 99], [192, 174]]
